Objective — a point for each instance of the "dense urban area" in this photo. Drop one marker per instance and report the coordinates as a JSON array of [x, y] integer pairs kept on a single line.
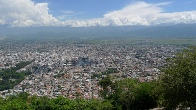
[[84, 71], [70, 70]]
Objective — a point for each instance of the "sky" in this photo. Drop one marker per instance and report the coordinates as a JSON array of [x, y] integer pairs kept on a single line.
[[85, 13]]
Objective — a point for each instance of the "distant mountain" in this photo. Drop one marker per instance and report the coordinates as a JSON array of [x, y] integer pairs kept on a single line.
[[179, 31]]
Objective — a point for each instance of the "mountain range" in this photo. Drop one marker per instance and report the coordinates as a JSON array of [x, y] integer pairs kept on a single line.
[[167, 31]]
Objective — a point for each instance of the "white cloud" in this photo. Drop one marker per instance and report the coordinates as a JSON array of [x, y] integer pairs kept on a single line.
[[2, 21], [25, 13], [142, 13], [28, 13], [139, 13]]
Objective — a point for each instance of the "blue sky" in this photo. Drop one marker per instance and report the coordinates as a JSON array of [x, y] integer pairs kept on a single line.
[[86, 9], [85, 13]]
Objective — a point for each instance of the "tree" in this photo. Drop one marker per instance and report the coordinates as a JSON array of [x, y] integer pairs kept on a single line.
[[40, 103], [145, 96], [178, 84], [129, 94], [2, 103], [124, 92], [16, 102], [62, 103], [106, 84]]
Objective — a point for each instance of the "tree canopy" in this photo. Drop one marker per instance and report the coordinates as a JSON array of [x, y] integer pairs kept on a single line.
[[129, 94], [178, 84], [25, 102]]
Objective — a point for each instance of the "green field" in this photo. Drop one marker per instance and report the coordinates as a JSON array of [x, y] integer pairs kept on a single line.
[[162, 41], [175, 41]]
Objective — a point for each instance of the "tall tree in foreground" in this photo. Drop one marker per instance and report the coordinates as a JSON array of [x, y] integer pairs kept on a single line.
[[178, 84], [129, 94]]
